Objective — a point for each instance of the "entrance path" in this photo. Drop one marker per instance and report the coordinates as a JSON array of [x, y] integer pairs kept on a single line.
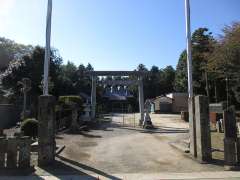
[[115, 149]]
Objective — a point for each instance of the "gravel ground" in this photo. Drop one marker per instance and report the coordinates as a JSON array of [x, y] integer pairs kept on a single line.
[[117, 147]]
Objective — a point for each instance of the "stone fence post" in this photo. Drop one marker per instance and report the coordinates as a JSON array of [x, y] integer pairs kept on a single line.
[[46, 130], [203, 133], [3, 144], [230, 136], [15, 152], [12, 147], [24, 152]]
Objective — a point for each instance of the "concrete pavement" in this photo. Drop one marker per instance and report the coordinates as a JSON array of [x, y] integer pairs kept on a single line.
[[219, 175]]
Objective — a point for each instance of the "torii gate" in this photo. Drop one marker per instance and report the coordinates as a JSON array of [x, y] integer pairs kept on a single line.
[[138, 82], [193, 147]]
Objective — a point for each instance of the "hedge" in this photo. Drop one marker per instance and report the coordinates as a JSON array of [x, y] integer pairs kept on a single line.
[[30, 127], [68, 100]]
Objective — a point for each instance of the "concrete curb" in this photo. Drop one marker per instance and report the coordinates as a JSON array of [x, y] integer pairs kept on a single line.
[[162, 176]]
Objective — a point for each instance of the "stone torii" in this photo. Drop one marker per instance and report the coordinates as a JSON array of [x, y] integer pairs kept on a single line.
[[138, 82]]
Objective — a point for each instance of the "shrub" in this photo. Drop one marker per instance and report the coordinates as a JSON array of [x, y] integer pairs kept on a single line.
[[71, 99], [67, 101], [30, 127]]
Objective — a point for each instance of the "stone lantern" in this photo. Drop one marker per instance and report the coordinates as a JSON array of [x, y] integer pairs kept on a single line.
[[26, 87], [87, 110]]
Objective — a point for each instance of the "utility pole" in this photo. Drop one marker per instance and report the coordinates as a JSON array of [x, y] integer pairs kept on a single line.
[[47, 48], [207, 86], [191, 110], [189, 48], [227, 91], [215, 89]]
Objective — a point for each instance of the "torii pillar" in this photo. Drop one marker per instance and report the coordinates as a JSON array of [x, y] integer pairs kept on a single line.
[[141, 99], [93, 97]]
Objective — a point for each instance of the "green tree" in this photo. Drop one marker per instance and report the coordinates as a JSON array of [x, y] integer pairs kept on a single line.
[[67, 78], [142, 67], [84, 83], [152, 84], [180, 83], [202, 46], [9, 50], [31, 66], [224, 63], [167, 80]]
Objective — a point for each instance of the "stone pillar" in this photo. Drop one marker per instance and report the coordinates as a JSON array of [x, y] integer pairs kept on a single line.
[[230, 136], [74, 125], [230, 151], [192, 127], [12, 152], [24, 152], [203, 133], [2, 151], [46, 130], [93, 98], [141, 99]]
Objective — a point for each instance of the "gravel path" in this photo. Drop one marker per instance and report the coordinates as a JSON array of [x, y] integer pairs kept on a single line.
[[114, 148]]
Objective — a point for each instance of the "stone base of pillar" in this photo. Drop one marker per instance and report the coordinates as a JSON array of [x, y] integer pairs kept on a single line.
[[147, 123], [238, 150], [230, 151], [46, 130]]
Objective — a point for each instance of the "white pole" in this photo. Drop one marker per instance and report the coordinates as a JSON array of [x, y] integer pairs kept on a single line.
[[189, 48], [47, 48], [192, 124]]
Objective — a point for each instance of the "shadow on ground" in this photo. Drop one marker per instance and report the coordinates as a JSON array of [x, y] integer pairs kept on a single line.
[[17, 172], [65, 166], [156, 129]]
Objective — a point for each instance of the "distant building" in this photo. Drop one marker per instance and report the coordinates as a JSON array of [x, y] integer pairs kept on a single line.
[[180, 102], [216, 112], [163, 104], [171, 103], [118, 99]]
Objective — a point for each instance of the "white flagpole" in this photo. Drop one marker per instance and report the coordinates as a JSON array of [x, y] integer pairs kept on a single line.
[[189, 48], [192, 124], [47, 48]]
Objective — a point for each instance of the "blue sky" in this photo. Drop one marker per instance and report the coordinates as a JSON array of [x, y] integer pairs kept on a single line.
[[114, 34]]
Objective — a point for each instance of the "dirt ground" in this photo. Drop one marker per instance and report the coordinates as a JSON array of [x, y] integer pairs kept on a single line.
[[119, 146]]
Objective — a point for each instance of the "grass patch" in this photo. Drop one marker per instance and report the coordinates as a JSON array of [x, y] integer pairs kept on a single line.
[[217, 145]]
